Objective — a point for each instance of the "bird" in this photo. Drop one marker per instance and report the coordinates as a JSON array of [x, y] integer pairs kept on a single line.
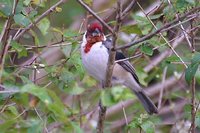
[[95, 53]]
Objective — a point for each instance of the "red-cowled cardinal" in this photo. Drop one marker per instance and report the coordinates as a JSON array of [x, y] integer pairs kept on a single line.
[[95, 53]]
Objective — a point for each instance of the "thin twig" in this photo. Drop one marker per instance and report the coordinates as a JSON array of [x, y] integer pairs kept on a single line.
[[182, 28], [95, 15], [128, 9], [24, 111], [125, 116], [3, 56], [47, 12], [150, 35], [7, 105], [193, 111], [170, 46], [46, 130], [162, 89]]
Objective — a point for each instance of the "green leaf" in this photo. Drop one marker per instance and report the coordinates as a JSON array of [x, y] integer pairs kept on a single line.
[[5, 9], [148, 127], [190, 72], [4, 127], [70, 33], [196, 58], [37, 91], [34, 126], [35, 36], [146, 50], [154, 41], [76, 90], [26, 2], [44, 25], [21, 50], [57, 30], [172, 58], [66, 50], [117, 93], [197, 121], [169, 12], [191, 1], [107, 98], [88, 2], [156, 16], [143, 24], [76, 127], [13, 110], [22, 20], [129, 29]]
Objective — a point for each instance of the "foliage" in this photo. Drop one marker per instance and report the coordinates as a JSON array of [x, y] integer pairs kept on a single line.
[[44, 85]]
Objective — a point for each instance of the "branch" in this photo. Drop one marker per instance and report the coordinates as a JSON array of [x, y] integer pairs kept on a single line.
[[47, 12], [6, 28], [169, 45], [128, 9], [150, 35], [110, 66], [3, 56], [95, 15]]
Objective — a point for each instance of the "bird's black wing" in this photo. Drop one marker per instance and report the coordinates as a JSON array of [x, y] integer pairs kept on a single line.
[[125, 64]]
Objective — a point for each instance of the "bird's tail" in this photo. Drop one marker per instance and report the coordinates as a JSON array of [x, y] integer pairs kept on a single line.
[[146, 101]]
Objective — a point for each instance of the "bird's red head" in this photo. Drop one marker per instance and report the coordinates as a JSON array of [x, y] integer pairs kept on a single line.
[[94, 34], [95, 26]]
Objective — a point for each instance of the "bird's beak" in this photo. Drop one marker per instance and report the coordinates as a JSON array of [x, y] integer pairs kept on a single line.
[[96, 33]]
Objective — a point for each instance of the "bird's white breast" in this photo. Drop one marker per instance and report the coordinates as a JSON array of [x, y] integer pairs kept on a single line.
[[95, 61]]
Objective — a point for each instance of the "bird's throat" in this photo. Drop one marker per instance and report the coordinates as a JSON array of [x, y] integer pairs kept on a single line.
[[88, 46]]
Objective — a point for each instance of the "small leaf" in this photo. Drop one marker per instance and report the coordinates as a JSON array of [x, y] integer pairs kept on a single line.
[[196, 58], [37, 91], [190, 72], [57, 30], [106, 98], [66, 50], [58, 9], [197, 121], [76, 90], [129, 29], [22, 20], [21, 50], [34, 126], [146, 50], [148, 127], [13, 110], [172, 58], [191, 1], [156, 16], [88, 2], [26, 2], [69, 34], [44, 25]]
